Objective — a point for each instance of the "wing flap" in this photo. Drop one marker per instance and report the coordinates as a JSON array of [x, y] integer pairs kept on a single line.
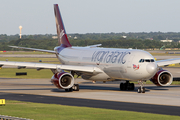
[[168, 62], [91, 69]]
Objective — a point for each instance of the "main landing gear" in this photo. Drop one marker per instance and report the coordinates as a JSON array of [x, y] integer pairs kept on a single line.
[[75, 87], [141, 89], [127, 86]]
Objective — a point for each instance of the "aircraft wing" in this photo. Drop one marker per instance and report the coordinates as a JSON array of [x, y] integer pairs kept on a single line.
[[168, 62], [42, 50], [91, 69]]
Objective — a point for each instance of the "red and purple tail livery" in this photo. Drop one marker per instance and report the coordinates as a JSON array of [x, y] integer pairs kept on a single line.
[[62, 36]]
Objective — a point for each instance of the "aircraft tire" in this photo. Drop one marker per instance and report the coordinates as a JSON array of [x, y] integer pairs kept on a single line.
[[125, 85], [76, 87], [70, 89], [132, 86], [143, 90], [121, 86], [67, 90], [139, 90]]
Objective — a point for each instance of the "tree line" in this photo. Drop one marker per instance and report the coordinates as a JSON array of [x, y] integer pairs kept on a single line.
[[141, 40], [50, 44], [100, 36]]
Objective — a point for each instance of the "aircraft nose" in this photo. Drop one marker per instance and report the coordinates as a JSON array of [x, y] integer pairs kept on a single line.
[[151, 68]]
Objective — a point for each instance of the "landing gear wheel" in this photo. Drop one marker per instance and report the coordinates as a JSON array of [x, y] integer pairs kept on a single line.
[[76, 87], [139, 90], [121, 86], [132, 84], [143, 90], [127, 86], [69, 90]]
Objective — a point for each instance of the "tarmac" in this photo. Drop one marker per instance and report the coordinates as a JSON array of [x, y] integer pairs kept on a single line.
[[159, 100]]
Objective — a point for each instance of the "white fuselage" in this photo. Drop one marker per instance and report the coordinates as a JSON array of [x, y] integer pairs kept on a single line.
[[120, 64]]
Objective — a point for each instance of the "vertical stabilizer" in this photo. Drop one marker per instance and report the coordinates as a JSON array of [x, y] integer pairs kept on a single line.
[[61, 33]]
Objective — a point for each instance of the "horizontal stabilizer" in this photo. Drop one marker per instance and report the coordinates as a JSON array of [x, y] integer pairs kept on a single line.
[[94, 46], [34, 49]]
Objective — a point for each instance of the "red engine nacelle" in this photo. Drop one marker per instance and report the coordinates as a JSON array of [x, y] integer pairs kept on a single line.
[[162, 78], [63, 80]]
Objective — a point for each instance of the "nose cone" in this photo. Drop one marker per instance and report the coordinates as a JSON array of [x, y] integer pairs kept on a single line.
[[151, 68]]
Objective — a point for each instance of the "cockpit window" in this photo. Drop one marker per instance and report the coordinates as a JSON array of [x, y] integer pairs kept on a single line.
[[152, 60], [141, 60], [146, 60]]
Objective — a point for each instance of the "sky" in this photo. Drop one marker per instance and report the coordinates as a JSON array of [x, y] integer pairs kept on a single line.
[[90, 16]]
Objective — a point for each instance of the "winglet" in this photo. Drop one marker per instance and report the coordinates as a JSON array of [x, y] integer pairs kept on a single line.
[[61, 32]]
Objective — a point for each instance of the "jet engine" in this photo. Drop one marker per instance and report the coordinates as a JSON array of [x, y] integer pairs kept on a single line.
[[63, 80], [162, 78]]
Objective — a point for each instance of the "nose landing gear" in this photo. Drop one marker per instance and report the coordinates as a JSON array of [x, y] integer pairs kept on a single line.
[[141, 89]]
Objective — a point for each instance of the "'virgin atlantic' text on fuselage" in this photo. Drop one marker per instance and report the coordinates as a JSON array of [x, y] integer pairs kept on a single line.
[[109, 56]]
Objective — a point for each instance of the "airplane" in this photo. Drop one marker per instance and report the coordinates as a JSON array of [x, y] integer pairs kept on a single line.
[[99, 64]]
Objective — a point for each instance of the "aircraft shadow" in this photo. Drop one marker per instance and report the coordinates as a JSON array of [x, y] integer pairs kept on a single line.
[[26, 89], [92, 87], [28, 84], [161, 88]]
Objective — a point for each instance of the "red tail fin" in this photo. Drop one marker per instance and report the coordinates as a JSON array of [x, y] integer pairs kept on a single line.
[[62, 36]]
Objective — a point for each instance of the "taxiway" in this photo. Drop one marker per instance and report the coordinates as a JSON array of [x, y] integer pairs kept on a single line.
[[166, 100]]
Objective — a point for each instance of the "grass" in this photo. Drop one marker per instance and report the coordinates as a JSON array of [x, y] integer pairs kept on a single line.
[[164, 54], [24, 59], [39, 111], [31, 73], [174, 65]]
